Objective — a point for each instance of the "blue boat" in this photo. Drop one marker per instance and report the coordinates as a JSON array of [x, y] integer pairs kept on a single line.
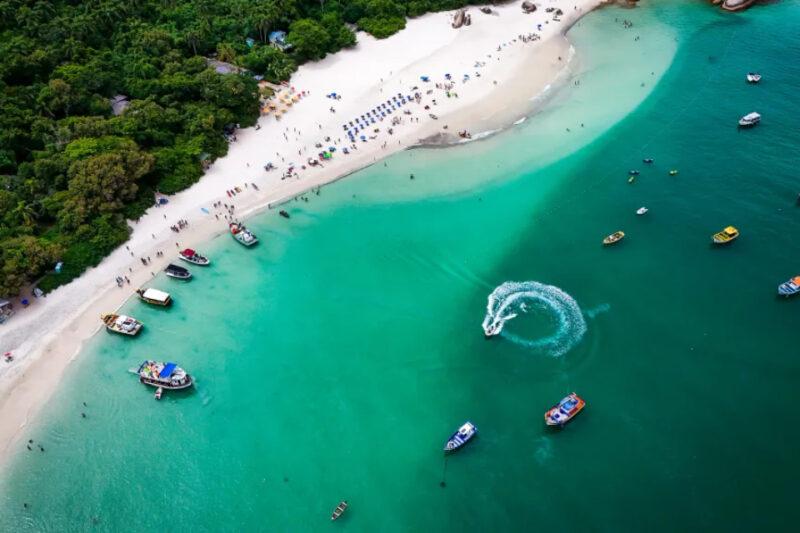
[[461, 437], [790, 287]]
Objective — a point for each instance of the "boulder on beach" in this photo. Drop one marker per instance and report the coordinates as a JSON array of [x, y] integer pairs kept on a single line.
[[460, 18], [528, 7]]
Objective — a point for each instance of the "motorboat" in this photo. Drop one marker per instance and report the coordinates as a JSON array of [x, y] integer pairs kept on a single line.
[[191, 256], [177, 272], [242, 235], [155, 297], [462, 436], [631, 179], [493, 325], [749, 120], [339, 510], [642, 210], [725, 236], [564, 411], [789, 288], [122, 324], [614, 238], [673, 172], [633, 172], [753, 77], [167, 376], [648, 160]]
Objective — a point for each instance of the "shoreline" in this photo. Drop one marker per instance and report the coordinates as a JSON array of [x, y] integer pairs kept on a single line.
[[43, 352]]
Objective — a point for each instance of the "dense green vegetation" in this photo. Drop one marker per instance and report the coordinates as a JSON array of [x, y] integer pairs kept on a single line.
[[71, 172]]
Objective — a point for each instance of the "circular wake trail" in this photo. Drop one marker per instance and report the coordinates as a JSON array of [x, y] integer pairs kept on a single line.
[[513, 298]]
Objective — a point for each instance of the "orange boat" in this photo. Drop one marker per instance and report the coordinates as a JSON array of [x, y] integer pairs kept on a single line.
[[564, 411]]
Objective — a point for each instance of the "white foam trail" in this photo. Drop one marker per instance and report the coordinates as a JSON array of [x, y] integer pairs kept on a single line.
[[512, 298], [479, 135], [602, 308]]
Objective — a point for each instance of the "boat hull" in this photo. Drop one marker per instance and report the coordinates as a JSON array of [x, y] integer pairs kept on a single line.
[[557, 417], [165, 385], [126, 333], [195, 262]]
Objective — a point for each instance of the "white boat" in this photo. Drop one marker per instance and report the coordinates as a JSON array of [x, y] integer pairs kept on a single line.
[[155, 297], [749, 120], [191, 256], [753, 77], [494, 325], [642, 211], [122, 324], [242, 234]]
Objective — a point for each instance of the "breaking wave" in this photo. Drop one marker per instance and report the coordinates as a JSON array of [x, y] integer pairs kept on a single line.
[[514, 298]]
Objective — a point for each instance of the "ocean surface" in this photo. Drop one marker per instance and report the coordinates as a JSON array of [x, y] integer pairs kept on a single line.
[[333, 360]]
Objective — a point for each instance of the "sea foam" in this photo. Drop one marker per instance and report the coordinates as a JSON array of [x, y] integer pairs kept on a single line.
[[514, 298]]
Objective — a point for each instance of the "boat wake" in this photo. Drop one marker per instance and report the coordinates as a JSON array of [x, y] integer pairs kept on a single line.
[[512, 299]]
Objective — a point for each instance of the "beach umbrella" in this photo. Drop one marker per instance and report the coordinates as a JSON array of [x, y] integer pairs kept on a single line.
[[363, 138]]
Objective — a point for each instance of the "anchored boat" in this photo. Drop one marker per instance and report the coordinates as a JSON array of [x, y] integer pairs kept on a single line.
[[339, 510], [155, 297], [122, 324], [789, 288], [462, 436], [749, 120], [242, 234], [163, 375], [190, 256], [753, 77], [642, 210], [177, 272], [725, 236], [564, 411], [614, 238]]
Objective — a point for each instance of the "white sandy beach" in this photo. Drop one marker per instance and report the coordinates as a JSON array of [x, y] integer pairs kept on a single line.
[[505, 74]]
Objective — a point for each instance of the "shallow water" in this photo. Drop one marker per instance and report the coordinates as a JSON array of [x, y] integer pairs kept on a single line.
[[333, 361]]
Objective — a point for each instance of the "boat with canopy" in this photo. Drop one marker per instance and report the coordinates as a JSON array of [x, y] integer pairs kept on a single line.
[[725, 236], [191, 256], [154, 297], [339, 510], [614, 238], [163, 375], [564, 411], [243, 235], [789, 288], [177, 272]]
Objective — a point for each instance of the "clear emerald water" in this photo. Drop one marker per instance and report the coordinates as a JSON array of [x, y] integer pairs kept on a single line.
[[333, 361]]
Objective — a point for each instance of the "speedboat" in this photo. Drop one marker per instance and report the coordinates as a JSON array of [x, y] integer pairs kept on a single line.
[[190, 256], [155, 297], [339, 510], [163, 375], [725, 236], [564, 411], [631, 179], [642, 211], [753, 77], [494, 325], [789, 288], [614, 238], [633, 172], [461, 437], [647, 160], [243, 235], [122, 324], [177, 272], [673, 172], [749, 120]]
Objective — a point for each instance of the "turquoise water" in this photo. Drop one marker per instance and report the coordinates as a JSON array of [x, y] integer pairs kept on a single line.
[[333, 361]]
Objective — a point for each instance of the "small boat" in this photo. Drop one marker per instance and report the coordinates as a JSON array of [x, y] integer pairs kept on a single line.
[[631, 179], [242, 235], [163, 376], [122, 324], [749, 120], [725, 236], [673, 172], [642, 211], [339, 510], [159, 393], [614, 238], [494, 325], [789, 288], [155, 297], [564, 411], [283, 213], [648, 160], [753, 77], [190, 256], [462, 436], [633, 172], [177, 272]]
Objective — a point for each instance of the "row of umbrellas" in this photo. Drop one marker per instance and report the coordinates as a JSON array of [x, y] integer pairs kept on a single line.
[[379, 112]]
